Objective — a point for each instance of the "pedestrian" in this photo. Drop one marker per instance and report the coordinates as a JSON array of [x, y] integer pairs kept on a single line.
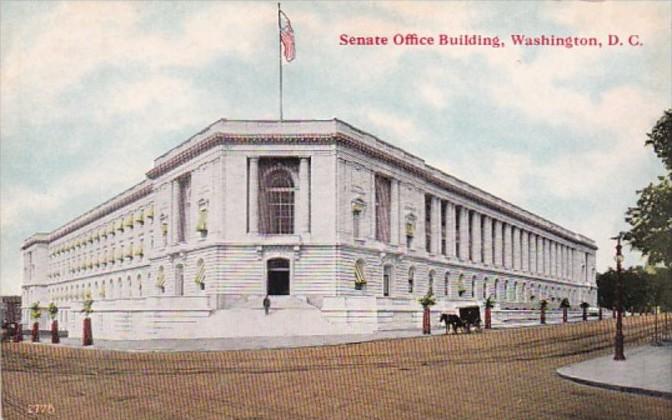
[[267, 304]]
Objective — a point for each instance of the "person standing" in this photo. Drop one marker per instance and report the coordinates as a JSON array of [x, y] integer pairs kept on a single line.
[[267, 304]]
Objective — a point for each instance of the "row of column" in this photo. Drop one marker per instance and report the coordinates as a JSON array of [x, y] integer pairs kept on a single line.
[[470, 236]]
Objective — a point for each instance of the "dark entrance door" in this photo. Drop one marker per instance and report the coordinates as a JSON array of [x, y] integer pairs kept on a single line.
[[278, 276]]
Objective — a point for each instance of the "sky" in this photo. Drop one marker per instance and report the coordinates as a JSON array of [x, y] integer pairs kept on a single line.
[[92, 92]]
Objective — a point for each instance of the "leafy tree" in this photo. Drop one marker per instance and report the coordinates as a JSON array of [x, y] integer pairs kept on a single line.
[[651, 218], [642, 289]]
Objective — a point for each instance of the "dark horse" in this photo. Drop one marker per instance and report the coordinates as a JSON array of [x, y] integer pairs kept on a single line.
[[453, 321]]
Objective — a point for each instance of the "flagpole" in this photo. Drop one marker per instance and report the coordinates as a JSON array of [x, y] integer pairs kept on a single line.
[[280, 58]]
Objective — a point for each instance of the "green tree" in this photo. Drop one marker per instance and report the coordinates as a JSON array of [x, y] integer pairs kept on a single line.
[[651, 218], [642, 289]]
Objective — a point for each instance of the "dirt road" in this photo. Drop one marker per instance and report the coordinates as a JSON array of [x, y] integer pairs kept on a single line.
[[508, 374]]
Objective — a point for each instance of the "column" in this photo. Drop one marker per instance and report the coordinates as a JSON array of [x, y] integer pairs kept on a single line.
[[516, 247], [476, 240], [508, 249], [436, 226], [498, 244], [303, 209], [253, 194], [394, 212], [526, 251], [487, 240], [464, 234], [450, 229]]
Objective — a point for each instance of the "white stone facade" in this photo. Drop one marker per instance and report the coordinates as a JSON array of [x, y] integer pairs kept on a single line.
[[245, 208]]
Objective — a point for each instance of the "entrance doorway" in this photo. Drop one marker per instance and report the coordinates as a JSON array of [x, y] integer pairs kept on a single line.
[[278, 276]]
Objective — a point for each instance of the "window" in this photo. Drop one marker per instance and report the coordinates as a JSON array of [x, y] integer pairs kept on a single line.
[[443, 228], [430, 286], [428, 223], [458, 244], [383, 192], [494, 293], [356, 215], [179, 280], [277, 198], [184, 205], [387, 277], [493, 241], [446, 283], [473, 287], [485, 288], [470, 218], [411, 279], [482, 239]]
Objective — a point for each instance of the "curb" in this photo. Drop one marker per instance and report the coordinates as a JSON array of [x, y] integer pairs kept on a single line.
[[615, 387]]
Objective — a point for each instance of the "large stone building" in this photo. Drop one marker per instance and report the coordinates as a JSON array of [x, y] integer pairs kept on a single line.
[[343, 230]]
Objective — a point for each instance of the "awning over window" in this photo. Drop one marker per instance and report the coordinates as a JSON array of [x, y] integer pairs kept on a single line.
[[202, 225], [161, 279], [359, 274], [140, 216], [200, 274]]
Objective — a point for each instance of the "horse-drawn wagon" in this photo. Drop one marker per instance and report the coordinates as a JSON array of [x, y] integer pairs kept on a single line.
[[465, 319]]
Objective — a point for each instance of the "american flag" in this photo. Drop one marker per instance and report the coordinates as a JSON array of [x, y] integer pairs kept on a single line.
[[287, 37]]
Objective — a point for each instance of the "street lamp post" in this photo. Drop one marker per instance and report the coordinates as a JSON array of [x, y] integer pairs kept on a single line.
[[618, 340]]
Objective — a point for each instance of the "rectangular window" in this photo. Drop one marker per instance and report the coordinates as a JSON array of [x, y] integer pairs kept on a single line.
[[493, 241], [482, 238], [470, 218], [356, 215], [458, 217], [183, 205], [428, 223], [383, 188], [443, 227]]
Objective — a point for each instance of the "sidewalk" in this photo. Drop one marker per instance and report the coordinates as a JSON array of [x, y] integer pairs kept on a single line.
[[241, 343], [646, 370]]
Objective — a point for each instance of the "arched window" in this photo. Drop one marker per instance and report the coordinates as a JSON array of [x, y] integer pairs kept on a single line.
[[485, 288], [496, 291], [506, 290], [430, 280], [277, 199], [411, 279], [514, 290], [446, 283], [139, 280], [473, 287], [129, 292]]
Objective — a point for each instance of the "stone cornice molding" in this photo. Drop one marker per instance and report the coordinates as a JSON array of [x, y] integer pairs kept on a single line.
[[379, 150], [127, 197]]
